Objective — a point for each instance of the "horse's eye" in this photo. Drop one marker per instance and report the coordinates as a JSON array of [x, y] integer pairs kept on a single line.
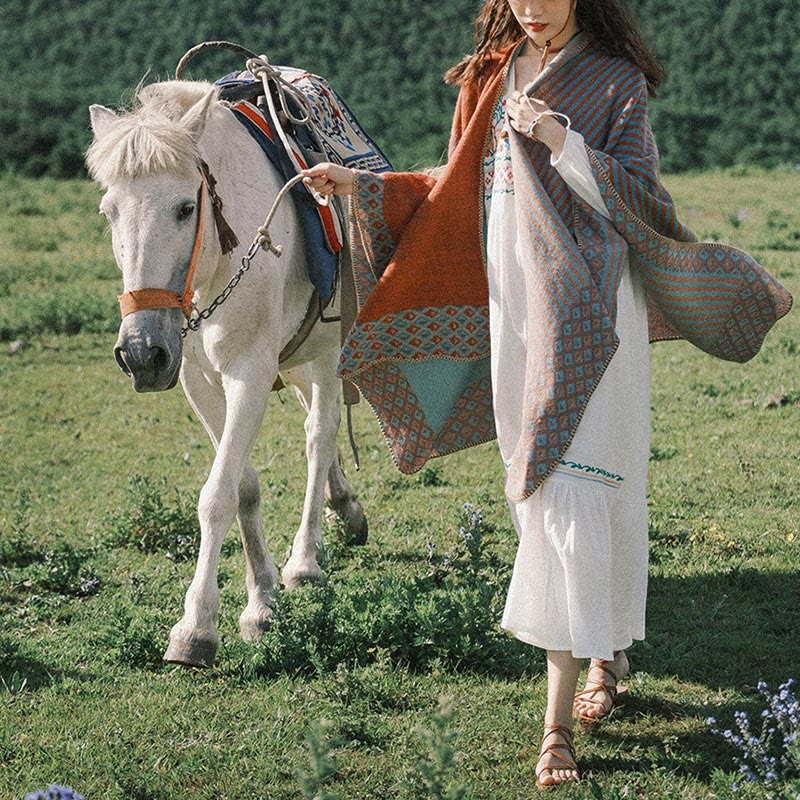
[[186, 211]]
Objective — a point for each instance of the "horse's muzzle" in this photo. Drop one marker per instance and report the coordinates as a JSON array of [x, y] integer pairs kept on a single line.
[[151, 370], [150, 360]]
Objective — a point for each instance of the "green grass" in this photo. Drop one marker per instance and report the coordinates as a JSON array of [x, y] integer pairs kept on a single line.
[[86, 601]]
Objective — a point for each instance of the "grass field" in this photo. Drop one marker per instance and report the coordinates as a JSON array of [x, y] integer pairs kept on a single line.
[[391, 679]]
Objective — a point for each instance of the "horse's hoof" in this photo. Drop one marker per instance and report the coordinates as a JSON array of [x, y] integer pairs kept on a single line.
[[354, 526], [200, 653], [293, 578], [253, 626], [357, 534]]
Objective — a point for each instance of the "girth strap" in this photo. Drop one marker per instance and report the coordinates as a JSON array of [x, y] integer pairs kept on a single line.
[[306, 326]]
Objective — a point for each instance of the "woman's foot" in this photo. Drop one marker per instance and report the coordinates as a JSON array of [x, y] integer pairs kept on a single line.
[[602, 691], [556, 764]]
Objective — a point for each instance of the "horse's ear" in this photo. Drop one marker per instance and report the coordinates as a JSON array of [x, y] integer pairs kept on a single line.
[[101, 117], [195, 118]]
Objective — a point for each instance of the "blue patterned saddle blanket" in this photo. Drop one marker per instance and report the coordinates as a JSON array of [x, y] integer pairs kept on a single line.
[[332, 134]]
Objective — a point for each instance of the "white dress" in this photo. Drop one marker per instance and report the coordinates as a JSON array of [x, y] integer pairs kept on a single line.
[[580, 576]]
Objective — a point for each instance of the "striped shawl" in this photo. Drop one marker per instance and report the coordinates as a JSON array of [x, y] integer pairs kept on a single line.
[[419, 350]]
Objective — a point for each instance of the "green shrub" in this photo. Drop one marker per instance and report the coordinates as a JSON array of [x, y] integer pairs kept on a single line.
[[133, 638], [68, 311], [437, 770], [152, 524], [780, 233], [446, 615], [32, 568], [322, 767]]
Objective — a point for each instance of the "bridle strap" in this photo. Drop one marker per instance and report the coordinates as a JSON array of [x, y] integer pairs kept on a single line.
[[188, 292], [142, 299], [228, 240]]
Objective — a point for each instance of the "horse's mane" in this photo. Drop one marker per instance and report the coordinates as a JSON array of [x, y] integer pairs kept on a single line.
[[149, 138]]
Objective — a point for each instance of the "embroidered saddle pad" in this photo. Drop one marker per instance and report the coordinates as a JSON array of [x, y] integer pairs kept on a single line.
[[333, 134]]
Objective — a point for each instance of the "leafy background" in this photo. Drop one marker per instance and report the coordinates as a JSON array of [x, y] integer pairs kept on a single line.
[[730, 97]]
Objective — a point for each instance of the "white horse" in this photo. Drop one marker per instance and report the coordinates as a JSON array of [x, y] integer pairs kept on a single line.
[[149, 162]]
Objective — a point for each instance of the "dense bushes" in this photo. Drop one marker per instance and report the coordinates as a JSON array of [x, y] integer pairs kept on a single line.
[[730, 96], [446, 615]]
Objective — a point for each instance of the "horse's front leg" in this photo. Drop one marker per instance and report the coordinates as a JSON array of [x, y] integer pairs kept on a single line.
[[319, 388], [233, 420]]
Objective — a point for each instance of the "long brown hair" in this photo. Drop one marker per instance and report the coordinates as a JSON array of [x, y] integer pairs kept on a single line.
[[610, 24]]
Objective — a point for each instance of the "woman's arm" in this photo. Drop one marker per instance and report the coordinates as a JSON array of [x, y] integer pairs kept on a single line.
[[574, 167]]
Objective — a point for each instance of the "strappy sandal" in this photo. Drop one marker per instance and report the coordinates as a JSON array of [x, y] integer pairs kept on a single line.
[[609, 691], [557, 760]]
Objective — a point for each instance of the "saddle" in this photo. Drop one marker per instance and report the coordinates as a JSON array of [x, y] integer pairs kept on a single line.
[[316, 126], [296, 128]]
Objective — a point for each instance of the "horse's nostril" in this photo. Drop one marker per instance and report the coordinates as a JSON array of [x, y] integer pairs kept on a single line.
[[119, 355], [160, 359]]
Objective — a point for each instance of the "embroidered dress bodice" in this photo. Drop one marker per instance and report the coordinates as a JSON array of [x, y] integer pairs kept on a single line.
[[497, 175]]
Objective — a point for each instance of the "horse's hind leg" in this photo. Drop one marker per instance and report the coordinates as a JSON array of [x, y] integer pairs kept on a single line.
[[318, 391], [262, 577], [341, 499], [344, 502]]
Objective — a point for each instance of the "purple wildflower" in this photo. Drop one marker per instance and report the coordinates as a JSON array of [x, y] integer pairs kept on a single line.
[[54, 792], [770, 754]]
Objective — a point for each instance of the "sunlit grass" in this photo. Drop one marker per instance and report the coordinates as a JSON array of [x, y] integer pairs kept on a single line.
[[86, 701]]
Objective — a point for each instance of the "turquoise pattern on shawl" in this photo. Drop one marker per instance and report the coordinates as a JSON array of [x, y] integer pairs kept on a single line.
[[439, 383]]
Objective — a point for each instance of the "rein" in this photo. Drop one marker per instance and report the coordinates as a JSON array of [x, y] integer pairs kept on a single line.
[[263, 240]]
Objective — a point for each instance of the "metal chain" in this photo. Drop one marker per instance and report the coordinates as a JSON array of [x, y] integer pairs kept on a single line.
[[262, 239], [193, 323]]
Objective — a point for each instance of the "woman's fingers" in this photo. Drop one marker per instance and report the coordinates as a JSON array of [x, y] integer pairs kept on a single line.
[[523, 111], [327, 178], [316, 178]]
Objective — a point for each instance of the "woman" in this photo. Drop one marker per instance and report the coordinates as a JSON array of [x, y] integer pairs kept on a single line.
[[551, 196]]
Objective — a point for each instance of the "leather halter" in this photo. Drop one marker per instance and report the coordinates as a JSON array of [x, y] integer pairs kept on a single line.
[[141, 299]]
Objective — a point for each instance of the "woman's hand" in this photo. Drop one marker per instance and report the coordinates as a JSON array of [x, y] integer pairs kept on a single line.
[[533, 118], [327, 178]]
